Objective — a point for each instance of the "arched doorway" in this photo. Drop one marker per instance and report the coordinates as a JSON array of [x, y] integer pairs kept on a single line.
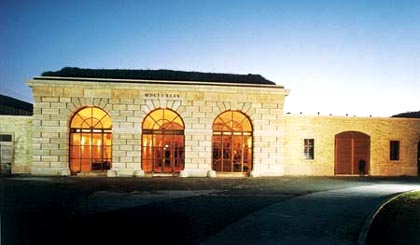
[[90, 141], [351, 147], [163, 142], [232, 142]]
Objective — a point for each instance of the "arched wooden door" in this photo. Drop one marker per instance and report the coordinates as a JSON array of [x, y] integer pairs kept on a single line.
[[351, 147], [418, 158]]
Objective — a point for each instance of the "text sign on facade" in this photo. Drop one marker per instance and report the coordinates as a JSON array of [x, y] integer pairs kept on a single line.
[[162, 95]]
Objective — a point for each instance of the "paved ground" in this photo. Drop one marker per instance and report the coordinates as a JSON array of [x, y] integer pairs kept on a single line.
[[286, 210]]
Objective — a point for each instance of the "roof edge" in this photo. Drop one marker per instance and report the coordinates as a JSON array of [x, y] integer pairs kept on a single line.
[[145, 81], [159, 74]]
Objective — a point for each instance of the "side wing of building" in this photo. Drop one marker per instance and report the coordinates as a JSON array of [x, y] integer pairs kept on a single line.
[[328, 145]]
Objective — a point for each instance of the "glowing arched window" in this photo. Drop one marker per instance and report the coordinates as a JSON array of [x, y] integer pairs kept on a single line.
[[163, 142], [90, 140], [232, 142]]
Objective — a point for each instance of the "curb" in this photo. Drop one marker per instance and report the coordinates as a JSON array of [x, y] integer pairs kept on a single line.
[[368, 222]]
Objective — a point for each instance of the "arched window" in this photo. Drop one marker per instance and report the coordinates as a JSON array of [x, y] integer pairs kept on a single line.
[[163, 142], [232, 142], [90, 141]]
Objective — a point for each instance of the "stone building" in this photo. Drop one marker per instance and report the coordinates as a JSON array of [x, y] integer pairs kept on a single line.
[[330, 145], [15, 135], [122, 127], [93, 122], [15, 144]]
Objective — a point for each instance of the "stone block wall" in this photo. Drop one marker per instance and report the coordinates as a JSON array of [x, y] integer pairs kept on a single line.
[[42, 141], [20, 128], [129, 102], [323, 130]]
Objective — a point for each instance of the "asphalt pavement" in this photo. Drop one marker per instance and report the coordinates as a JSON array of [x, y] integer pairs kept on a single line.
[[285, 210], [327, 217]]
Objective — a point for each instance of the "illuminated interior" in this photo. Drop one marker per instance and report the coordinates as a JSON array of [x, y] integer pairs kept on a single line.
[[163, 142], [232, 143], [90, 141]]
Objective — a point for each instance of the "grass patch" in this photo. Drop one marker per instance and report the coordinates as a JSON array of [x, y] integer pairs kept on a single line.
[[398, 222]]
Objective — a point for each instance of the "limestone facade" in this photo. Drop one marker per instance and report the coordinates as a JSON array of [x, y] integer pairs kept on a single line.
[[323, 130], [128, 102], [20, 130], [42, 142]]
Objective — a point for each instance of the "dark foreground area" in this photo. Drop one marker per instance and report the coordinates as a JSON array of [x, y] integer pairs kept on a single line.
[[398, 222], [74, 210]]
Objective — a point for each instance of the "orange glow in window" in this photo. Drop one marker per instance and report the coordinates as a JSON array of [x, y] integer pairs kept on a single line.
[[232, 142], [90, 141], [163, 142]]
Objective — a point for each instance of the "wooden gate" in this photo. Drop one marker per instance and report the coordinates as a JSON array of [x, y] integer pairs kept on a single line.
[[350, 148], [418, 158]]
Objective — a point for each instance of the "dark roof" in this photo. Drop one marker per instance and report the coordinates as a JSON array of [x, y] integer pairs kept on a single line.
[[12, 106], [165, 75], [414, 114]]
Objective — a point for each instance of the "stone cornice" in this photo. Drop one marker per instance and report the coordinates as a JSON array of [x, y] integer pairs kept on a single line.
[[135, 81]]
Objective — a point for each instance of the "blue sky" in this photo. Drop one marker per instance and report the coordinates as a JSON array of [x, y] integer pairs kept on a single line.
[[360, 57]]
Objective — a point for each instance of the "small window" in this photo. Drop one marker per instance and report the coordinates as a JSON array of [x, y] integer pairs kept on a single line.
[[5, 138], [394, 150], [308, 149]]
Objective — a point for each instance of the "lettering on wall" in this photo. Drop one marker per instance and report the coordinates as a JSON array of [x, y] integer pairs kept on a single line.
[[162, 95]]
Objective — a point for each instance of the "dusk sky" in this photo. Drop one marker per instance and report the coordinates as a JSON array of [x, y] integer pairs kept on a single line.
[[360, 57]]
